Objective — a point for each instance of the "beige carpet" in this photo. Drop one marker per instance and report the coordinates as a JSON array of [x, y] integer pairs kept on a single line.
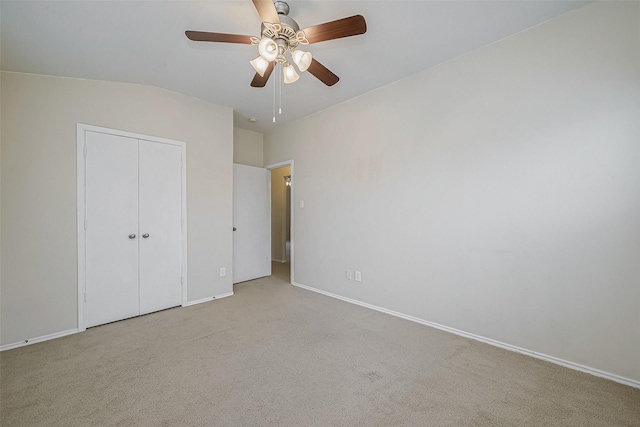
[[274, 354]]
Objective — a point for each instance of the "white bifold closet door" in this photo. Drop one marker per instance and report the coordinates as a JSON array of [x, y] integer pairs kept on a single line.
[[133, 233], [160, 211]]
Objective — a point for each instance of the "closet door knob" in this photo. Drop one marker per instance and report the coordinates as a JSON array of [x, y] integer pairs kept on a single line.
[[132, 236], [145, 235]]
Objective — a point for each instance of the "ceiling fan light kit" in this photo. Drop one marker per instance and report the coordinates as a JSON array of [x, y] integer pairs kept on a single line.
[[280, 34], [289, 72], [268, 49], [278, 39], [302, 59], [260, 65]]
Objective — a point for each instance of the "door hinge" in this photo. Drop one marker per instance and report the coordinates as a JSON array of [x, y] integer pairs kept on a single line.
[[85, 223], [85, 150], [85, 297], [181, 280]]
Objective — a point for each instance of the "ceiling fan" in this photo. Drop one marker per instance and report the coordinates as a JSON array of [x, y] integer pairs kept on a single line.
[[281, 34]]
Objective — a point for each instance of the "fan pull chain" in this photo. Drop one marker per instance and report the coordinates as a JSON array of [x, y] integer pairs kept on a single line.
[[275, 84], [280, 92]]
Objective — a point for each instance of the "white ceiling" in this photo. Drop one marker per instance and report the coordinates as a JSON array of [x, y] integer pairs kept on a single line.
[[144, 42]]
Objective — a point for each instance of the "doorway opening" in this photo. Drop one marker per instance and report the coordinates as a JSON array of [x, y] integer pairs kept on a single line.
[[282, 254]]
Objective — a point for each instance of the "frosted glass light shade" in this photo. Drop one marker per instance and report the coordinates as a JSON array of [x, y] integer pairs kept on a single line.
[[302, 59], [268, 49], [290, 74], [260, 65]]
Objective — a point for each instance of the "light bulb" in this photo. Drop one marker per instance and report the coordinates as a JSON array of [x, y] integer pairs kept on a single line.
[[302, 59], [260, 65], [290, 74], [268, 49]]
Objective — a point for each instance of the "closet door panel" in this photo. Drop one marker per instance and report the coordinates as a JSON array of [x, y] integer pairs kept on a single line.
[[160, 197], [112, 223]]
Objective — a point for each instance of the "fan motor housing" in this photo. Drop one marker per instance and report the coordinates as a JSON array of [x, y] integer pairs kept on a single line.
[[286, 37]]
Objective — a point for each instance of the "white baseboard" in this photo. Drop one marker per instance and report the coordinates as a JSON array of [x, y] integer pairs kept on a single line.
[[228, 294], [207, 299], [281, 261], [552, 359], [38, 339], [198, 301]]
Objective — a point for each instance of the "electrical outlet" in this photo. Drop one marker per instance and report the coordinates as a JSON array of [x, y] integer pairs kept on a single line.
[[358, 276], [223, 271], [348, 274]]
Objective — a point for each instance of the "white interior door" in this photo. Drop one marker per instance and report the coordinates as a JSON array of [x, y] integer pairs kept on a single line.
[[160, 195], [111, 228], [251, 220]]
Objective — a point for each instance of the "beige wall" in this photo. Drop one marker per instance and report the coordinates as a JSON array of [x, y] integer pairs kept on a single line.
[[498, 193], [247, 147], [39, 254], [278, 212]]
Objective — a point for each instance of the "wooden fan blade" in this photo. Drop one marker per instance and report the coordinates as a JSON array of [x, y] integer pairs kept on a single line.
[[203, 36], [322, 73], [345, 27], [267, 11], [261, 81]]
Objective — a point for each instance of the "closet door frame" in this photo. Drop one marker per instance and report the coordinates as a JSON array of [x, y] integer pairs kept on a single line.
[[82, 129]]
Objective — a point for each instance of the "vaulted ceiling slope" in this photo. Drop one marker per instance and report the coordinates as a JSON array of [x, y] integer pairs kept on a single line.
[[144, 42]]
